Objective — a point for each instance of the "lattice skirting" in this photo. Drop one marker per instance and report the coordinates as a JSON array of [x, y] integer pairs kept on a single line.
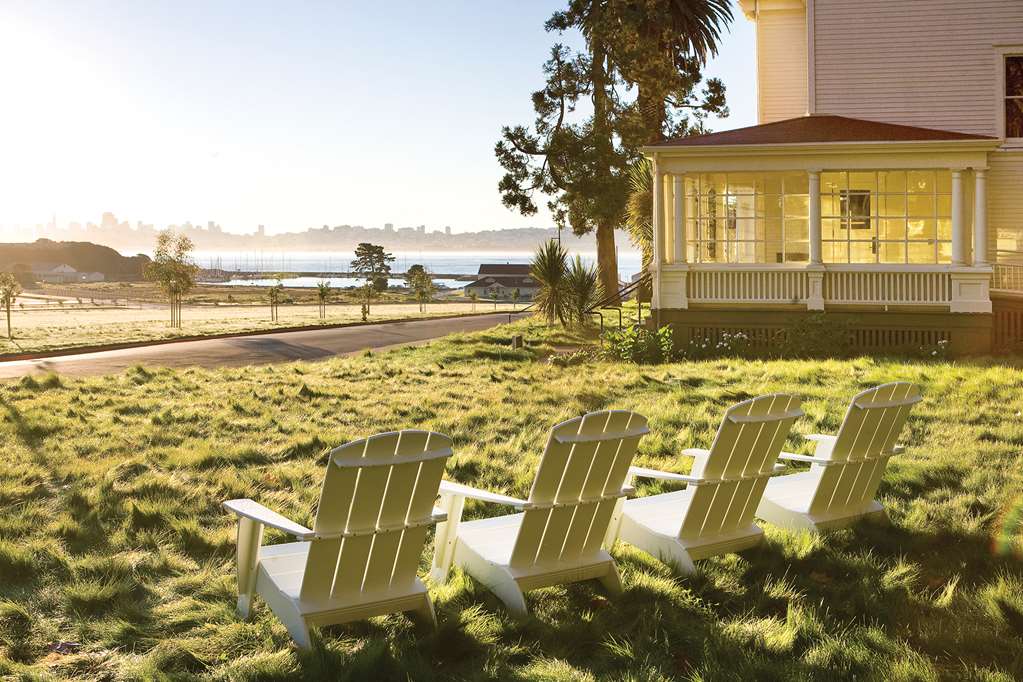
[[966, 334]]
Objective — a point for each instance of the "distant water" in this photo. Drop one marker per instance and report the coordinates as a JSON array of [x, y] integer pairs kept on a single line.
[[445, 262]]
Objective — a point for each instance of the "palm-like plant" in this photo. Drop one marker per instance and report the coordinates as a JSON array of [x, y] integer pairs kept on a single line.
[[639, 219], [583, 289], [322, 294], [550, 268]]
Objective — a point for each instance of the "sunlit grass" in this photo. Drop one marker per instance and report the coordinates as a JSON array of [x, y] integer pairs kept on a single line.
[[112, 535]]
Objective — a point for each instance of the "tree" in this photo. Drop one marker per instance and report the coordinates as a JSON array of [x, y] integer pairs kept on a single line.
[[173, 270], [516, 295], [372, 264], [639, 216], [473, 296], [583, 291], [549, 268], [421, 283], [10, 287], [273, 295], [322, 294], [578, 164]]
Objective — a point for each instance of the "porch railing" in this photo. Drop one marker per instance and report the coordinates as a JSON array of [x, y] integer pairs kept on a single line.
[[896, 287], [840, 284], [746, 284]]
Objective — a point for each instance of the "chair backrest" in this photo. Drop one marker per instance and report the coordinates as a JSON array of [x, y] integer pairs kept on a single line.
[[864, 443], [580, 478], [375, 508], [736, 468]]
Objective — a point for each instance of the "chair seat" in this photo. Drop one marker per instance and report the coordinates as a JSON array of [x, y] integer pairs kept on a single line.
[[661, 514], [792, 491], [492, 539], [284, 565]]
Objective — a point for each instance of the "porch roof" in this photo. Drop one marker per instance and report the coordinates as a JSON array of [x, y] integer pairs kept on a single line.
[[819, 129]]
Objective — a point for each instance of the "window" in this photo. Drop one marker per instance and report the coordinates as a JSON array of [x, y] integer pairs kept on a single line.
[[747, 217], [886, 216], [1014, 96]]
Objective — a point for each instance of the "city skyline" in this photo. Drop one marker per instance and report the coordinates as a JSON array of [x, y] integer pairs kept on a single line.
[[317, 114]]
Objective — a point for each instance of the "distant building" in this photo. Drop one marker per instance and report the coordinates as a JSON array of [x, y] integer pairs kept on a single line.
[[447, 230], [63, 274], [388, 227], [261, 231], [501, 280], [421, 229]]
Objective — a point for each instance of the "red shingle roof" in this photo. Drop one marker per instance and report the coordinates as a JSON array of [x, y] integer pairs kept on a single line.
[[820, 128]]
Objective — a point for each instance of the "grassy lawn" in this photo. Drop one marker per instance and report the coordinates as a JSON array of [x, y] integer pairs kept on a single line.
[[112, 535], [39, 329]]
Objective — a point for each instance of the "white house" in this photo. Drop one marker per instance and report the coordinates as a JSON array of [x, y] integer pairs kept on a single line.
[[63, 274], [883, 184]]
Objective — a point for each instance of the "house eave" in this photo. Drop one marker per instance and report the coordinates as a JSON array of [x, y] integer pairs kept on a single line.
[[788, 148]]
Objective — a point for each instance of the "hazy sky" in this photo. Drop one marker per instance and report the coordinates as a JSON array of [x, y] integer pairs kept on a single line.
[[282, 113]]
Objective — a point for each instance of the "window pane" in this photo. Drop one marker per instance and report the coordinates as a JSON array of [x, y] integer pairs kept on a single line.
[[772, 252], [921, 182], [831, 205], [892, 205], [772, 183], [862, 252], [944, 205], [892, 181], [1014, 117], [831, 228], [693, 251], [745, 228], [797, 183], [797, 252], [1014, 76], [921, 252], [797, 206], [743, 183], [892, 252], [944, 252], [892, 228], [943, 181], [835, 252], [744, 252], [833, 182], [863, 181], [921, 205], [772, 229], [797, 230], [772, 205], [920, 228], [944, 228]]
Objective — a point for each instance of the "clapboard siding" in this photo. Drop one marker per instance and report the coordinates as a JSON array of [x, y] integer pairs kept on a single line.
[[1005, 203], [781, 62], [927, 63]]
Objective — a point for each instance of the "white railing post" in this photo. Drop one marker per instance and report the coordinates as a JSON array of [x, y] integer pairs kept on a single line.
[[815, 271], [958, 236], [980, 217]]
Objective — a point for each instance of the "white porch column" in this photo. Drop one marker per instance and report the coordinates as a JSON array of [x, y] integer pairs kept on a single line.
[[658, 231], [680, 220], [815, 273], [958, 236], [980, 217], [815, 217]]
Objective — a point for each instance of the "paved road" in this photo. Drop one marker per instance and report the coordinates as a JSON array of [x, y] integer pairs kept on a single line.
[[257, 349]]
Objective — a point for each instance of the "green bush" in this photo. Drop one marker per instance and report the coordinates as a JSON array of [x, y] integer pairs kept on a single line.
[[816, 336], [727, 344], [639, 344]]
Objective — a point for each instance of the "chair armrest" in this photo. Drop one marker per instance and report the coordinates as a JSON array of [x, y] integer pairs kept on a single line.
[[251, 509], [695, 452], [898, 449], [662, 475], [438, 515], [820, 437], [462, 490], [793, 457]]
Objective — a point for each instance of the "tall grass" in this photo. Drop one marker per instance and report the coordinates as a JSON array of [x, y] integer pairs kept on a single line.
[[116, 559]]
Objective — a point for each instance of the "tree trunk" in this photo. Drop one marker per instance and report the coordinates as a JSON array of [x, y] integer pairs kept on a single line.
[[607, 261], [10, 334], [651, 108]]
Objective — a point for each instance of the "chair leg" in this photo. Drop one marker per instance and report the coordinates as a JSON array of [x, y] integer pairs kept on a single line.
[[299, 631], [508, 591], [244, 606], [678, 558], [424, 613], [611, 580]]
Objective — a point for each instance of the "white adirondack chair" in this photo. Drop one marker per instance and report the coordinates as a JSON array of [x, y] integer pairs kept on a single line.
[[361, 556], [557, 539], [845, 469], [714, 514]]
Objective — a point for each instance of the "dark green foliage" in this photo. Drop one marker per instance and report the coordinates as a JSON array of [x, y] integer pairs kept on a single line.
[[639, 344]]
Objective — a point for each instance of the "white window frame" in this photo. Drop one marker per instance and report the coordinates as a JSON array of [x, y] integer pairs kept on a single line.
[[1001, 52]]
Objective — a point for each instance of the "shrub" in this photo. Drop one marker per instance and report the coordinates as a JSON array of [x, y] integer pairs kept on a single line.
[[816, 336], [727, 344], [639, 344]]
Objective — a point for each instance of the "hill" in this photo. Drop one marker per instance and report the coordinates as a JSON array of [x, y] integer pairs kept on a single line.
[[83, 256]]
